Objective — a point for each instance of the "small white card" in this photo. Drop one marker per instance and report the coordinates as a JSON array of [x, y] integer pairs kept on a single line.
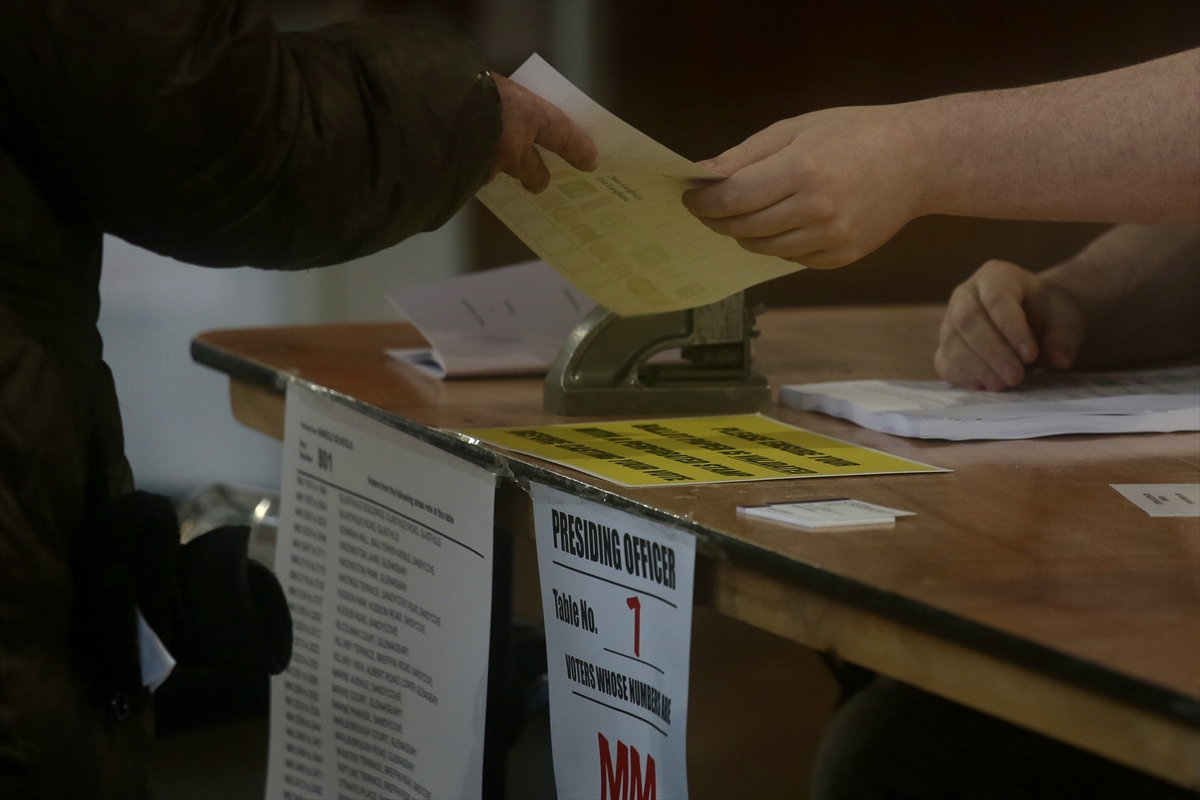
[[842, 512], [1163, 499]]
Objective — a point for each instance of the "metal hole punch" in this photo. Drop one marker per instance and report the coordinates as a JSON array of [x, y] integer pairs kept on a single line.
[[603, 369]]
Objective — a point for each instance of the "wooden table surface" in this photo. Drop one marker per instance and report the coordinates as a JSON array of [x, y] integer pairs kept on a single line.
[[1025, 586]]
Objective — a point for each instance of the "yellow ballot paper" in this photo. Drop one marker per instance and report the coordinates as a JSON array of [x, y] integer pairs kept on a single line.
[[746, 447], [621, 233]]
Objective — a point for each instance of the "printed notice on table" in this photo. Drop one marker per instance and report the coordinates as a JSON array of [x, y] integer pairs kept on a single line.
[[1163, 499], [658, 452], [617, 597], [385, 553]]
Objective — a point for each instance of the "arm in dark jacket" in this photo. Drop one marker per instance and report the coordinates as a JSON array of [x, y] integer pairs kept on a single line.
[[195, 129]]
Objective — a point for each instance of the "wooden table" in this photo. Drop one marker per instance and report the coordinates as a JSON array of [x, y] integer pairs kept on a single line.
[[1025, 587]]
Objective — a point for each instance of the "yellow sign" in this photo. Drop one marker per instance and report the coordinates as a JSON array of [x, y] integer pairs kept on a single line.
[[748, 447]]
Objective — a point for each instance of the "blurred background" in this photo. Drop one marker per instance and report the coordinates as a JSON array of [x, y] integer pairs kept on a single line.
[[698, 76]]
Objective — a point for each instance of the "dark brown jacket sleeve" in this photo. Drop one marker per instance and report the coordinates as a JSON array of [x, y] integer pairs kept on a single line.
[[193, 128]]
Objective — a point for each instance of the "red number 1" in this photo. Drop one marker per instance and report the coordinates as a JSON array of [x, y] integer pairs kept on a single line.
[[636, 605]]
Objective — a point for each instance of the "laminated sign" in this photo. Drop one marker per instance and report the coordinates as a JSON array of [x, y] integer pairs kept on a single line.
[[617, 596], [657, 452]]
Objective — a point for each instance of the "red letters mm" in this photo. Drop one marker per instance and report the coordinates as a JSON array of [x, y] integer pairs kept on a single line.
[[625, 782]]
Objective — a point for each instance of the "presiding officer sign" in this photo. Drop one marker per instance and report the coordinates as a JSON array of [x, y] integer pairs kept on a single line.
[[617, 596]]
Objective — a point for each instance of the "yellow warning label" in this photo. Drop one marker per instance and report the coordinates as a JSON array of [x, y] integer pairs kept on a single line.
[[747, 447]]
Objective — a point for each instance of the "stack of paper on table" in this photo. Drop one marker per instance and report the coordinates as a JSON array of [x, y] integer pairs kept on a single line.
[[621, 233], [507, 321], [1047, 404]]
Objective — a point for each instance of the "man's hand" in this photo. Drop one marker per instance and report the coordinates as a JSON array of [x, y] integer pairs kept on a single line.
[[1002, 319], [823, 189], [826, 188], [530, 120]]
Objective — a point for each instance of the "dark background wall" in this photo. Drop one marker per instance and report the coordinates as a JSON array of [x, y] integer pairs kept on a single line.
[[701, 75]]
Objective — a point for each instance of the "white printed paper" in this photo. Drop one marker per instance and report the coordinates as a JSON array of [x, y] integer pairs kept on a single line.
[[826, 513], [617, 596], [1046, 404], [507, 321], [621, 233], [385, 553], [154, 658], [1163, 499]]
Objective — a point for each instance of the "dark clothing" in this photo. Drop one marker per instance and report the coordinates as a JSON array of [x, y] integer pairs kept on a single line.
[[194, 129], [891, 741]]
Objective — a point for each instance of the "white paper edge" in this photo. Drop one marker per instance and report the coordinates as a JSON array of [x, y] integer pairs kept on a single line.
[[153, 657], [418, 358]]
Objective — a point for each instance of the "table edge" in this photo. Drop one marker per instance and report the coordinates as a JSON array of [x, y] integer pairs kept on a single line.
[[1006, 646]]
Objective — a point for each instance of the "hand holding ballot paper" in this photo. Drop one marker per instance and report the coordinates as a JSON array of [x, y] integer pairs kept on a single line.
[[828, 187], [621, 233], [530, 120]]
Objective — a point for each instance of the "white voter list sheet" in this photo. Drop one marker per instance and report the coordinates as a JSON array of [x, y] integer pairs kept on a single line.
[[617, 596], [385, 553]]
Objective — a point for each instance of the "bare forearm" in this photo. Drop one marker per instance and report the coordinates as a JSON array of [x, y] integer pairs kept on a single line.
[[1139, 288], [1122, 146]]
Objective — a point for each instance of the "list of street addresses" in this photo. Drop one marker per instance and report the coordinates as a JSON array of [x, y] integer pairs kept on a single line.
[[385, 553], [617, 596]]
